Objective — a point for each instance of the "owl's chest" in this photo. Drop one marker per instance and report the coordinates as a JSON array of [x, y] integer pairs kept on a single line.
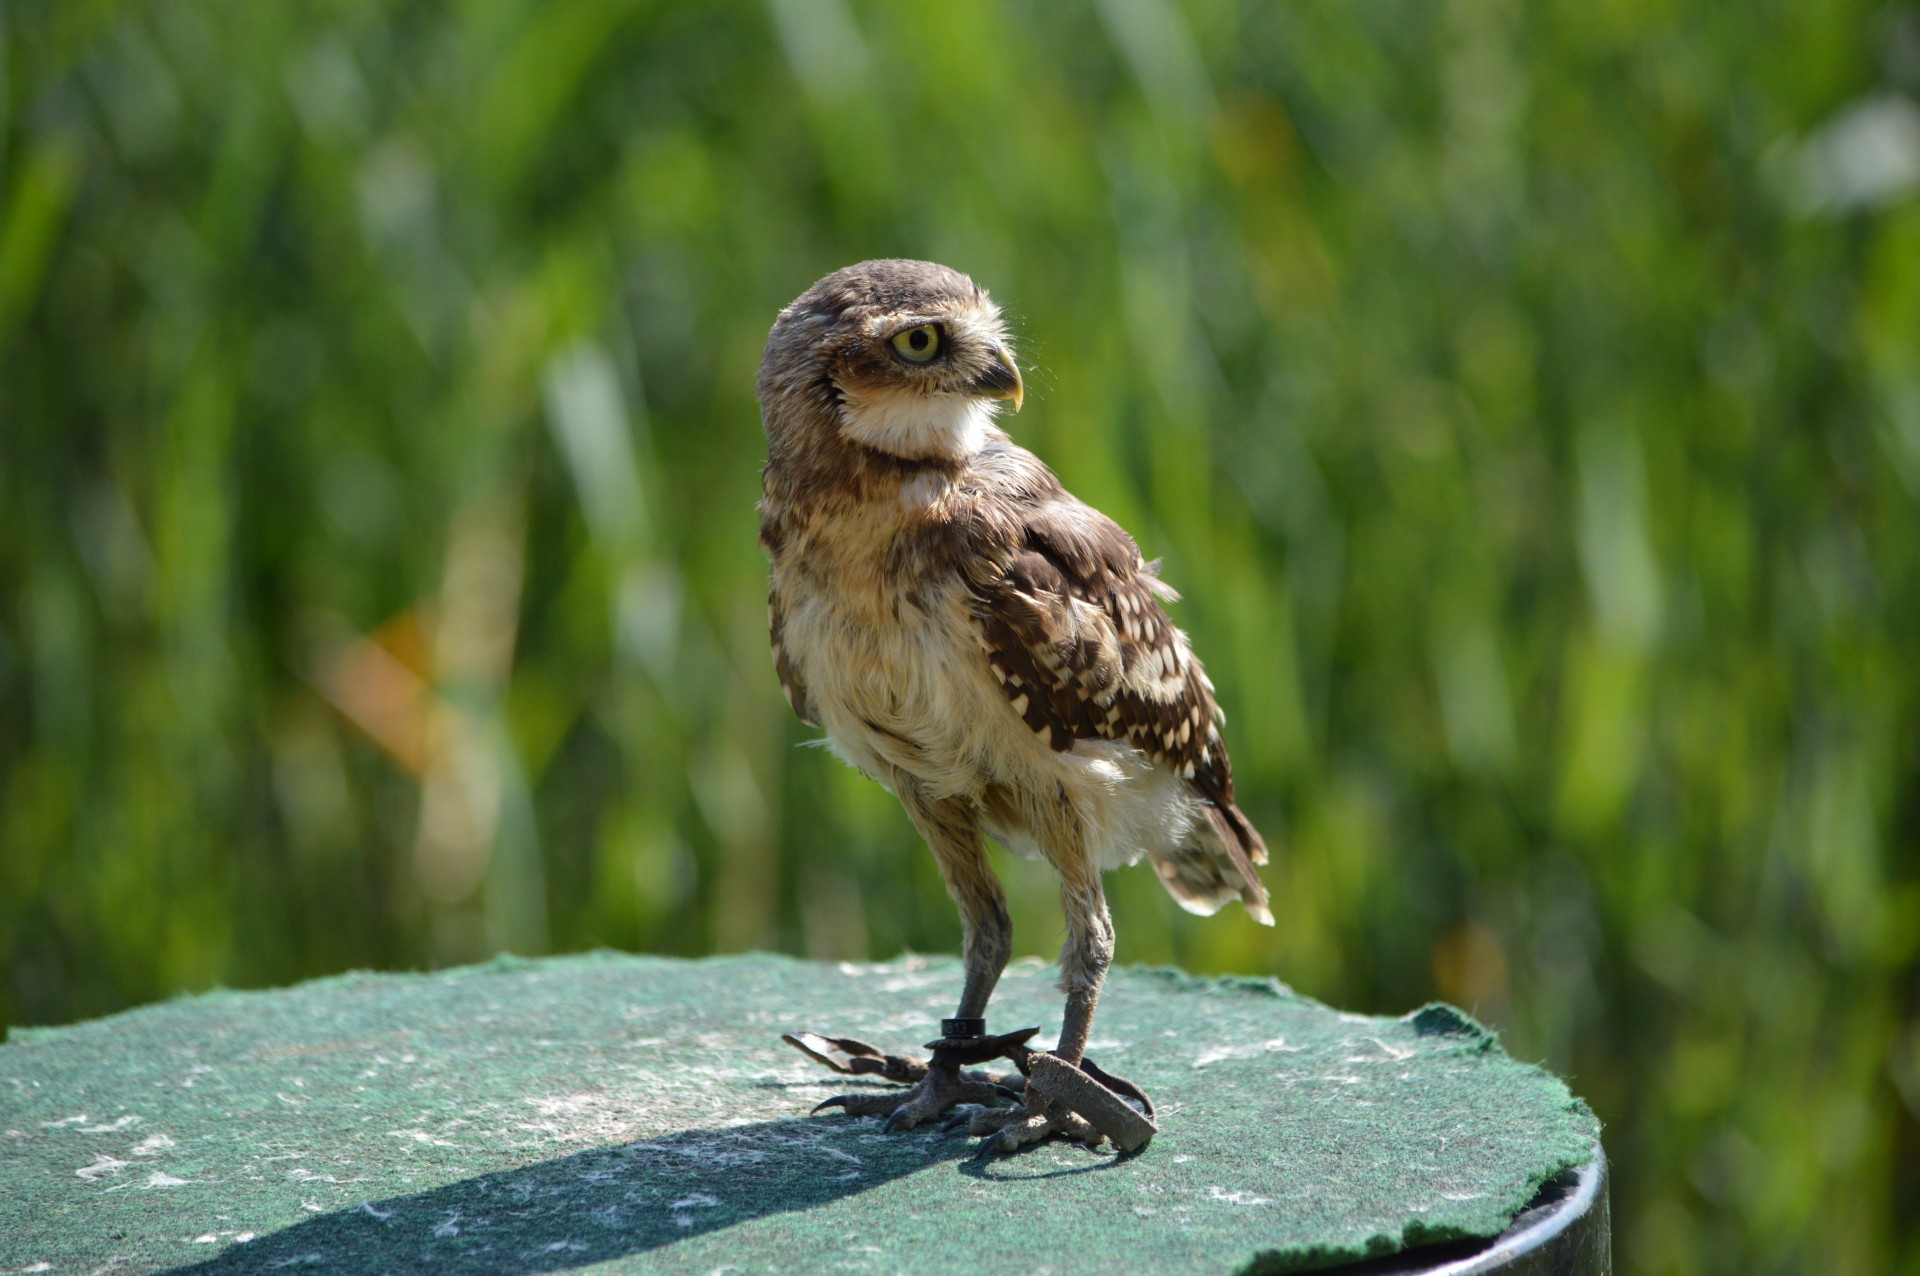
[[892, 651], [892, 662]]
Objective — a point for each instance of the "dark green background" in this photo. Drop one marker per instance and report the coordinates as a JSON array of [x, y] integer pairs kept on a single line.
[[1526, 398]]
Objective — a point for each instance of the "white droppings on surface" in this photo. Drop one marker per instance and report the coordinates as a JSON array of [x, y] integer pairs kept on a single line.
[[243, 1237], [566, 1247], [938, 979], [589, 1118], [152, 1145], [302, 1260], [160, 1178], [717, 1151], [1216, 1054], [105, 1165], [908, 962], [110, 1127], [1217, 1193], [1462, 1196], [682, 1209], [72, 1120], [565, 1104], [205, 1238], [1395, 1054]]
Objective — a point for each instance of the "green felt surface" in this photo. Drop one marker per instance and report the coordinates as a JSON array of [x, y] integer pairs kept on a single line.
[[641, 1114]]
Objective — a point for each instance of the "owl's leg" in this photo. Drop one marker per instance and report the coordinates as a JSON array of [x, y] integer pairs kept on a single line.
[[1084, 960], [1083, 968], [939, 1085], [1083, 964]]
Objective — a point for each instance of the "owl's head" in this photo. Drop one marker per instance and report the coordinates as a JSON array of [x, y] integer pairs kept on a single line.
[[905, 357]]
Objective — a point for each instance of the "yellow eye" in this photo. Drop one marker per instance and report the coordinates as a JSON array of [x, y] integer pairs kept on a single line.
[[917, 345]]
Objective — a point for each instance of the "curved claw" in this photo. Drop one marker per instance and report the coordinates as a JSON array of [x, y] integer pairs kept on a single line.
[[894, 1121], [954, 1123], [852, 1057], [837, 1101], [1009, 1093], [1119, 1085]]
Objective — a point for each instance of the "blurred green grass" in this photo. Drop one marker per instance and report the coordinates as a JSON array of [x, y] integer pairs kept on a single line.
[[1526, 399]]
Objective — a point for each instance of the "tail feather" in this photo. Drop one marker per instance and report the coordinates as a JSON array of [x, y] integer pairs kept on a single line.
[[1216, 864]]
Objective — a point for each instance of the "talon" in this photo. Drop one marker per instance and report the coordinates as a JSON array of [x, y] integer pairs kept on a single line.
[[954, 1123], [853, 1057], [934, 1090], [1119, 1085], [821, 1049]]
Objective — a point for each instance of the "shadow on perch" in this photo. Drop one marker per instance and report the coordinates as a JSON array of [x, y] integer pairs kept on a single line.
[[605, 1203]]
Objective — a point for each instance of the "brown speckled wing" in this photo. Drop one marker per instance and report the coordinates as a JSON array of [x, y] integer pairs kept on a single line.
[[1071, 620]]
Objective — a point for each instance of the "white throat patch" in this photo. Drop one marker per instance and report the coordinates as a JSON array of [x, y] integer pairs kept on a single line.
[[918, 426]]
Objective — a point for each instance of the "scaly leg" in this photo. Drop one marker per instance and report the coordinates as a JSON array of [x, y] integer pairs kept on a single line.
[[953, 834], [1083, 967]]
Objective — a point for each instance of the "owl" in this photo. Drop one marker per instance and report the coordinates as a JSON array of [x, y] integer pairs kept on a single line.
[[993, 651]]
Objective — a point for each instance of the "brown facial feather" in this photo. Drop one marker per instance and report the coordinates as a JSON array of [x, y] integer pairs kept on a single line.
[[831, 348]]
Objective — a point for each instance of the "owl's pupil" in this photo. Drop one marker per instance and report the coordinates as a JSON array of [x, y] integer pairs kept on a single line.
[[918, 341]]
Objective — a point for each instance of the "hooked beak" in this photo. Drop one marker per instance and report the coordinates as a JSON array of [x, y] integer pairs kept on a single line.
[[1002, 380]]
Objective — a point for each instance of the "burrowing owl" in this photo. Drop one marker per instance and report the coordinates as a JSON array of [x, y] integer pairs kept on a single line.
[[981, 643]]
